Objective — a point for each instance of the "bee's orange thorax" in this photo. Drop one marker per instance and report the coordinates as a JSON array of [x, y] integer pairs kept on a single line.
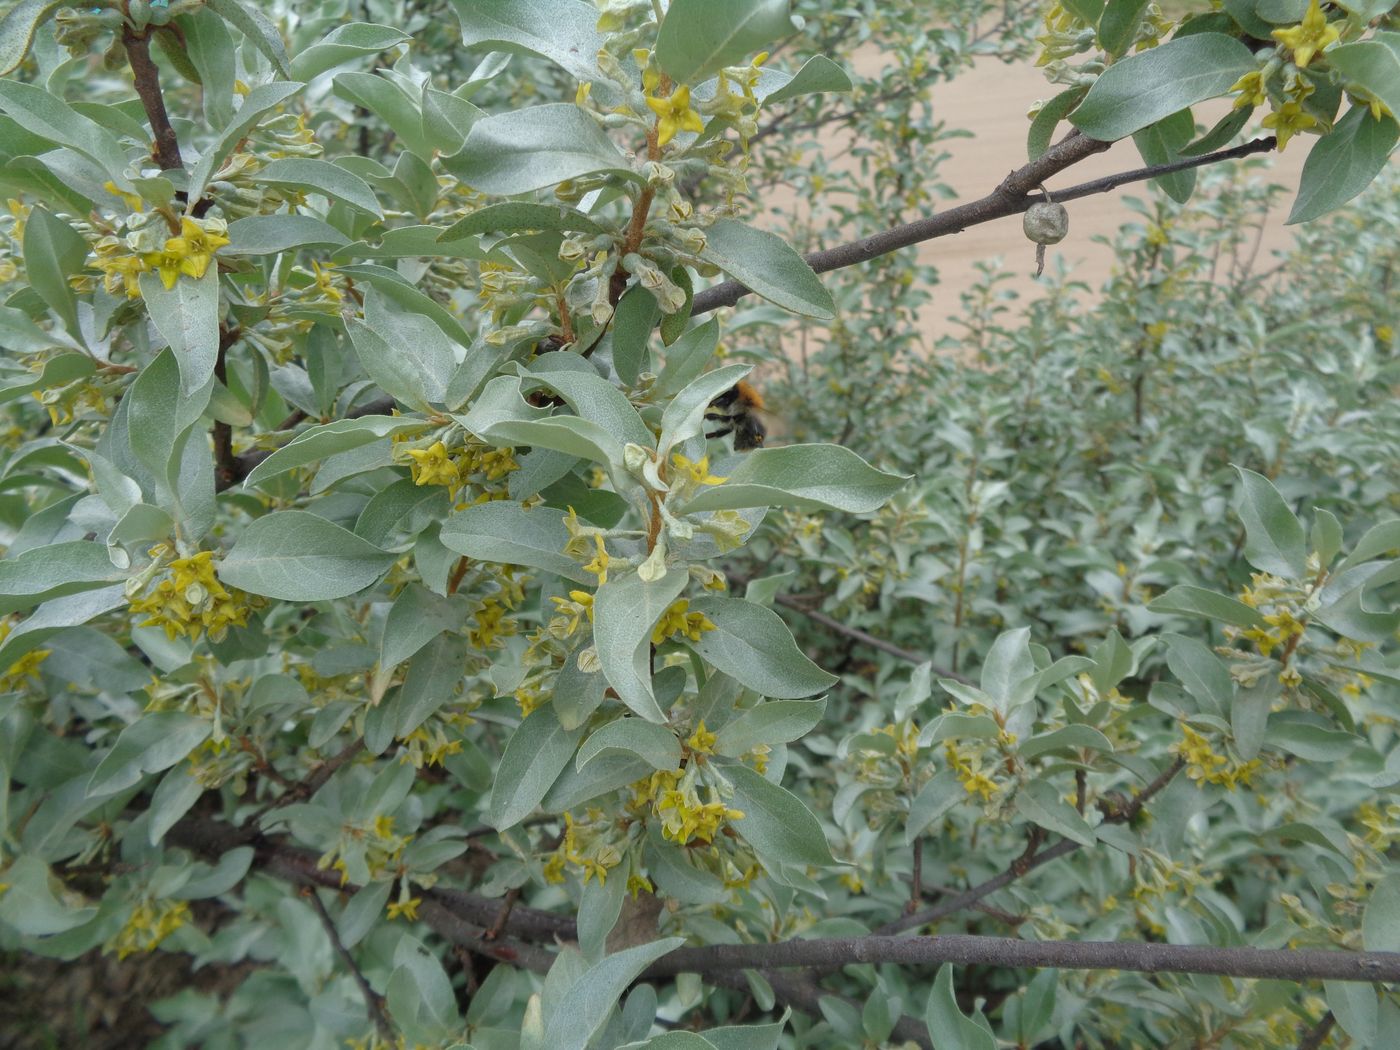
[[749, 394]]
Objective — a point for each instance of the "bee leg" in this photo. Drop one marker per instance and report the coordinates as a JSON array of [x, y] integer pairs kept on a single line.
[[728, 428]]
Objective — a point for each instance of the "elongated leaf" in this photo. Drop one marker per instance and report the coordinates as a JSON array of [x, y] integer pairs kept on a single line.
[[519, 216], [563, 31], [48, 116], [187, 318], [700, 37], [321, 176], [1041, 804], [934, 799], [818, 75], [776, 822], [17, 30], [151, 744], [256, 26], [768, 265], [1374, 65], [41, 573], [773, 722], [1275, 541], [684, 415], [654, 744], [1197, 601], [53, 252], [534, 756], [1344, 162], [1143, 88], [532, 148], [503, 531], [1042, 128], [808, 477], [751, 644], [259, 101], [947, 1026], [344, 44], [297, 556], [624, 613], [584, 1005], [57, 615], [326, 440], [270, 234]]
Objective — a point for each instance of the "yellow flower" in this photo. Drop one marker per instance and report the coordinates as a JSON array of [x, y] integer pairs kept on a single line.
[[572, 611], [676, 620], [131, 200], [432, 466], [490, 625], [698, 472], [147, 926], [201, 242], [1251, 89], [1287, 121], [188, 599], [171, 261], [599, 565], [638, 884], [674, 114], [407, 909], [324, 284], [702, 740], [1308, 37]]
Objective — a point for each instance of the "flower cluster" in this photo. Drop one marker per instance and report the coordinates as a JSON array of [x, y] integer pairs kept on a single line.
[[123, 261], [673, 797], [677, 621], [148, 924], [26, 668], [588, 846], [185, 598], [437, 465], [1205, 765]]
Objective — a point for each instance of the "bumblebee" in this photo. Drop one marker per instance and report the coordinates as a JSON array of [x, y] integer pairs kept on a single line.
[[736, 411]]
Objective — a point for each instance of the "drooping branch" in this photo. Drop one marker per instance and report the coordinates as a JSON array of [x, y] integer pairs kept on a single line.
[[1012, 197], [372, 1002], [1025, 864], [1282, 964], [147, 78]]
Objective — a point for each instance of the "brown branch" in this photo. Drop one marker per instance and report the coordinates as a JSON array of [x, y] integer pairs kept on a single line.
[[1281, 964], [372, 1001], [1315, 1036], [1012, 197], [1028, 862], [225, 463], [147, 78]]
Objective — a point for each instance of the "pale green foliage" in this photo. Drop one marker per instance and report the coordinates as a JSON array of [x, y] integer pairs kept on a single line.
[[368, 535]]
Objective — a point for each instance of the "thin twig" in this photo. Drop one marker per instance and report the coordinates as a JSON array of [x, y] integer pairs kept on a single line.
[[1010, 198], [372, 1001]]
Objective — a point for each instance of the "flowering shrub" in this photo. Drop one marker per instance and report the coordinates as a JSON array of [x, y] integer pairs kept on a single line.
[[389, 620]]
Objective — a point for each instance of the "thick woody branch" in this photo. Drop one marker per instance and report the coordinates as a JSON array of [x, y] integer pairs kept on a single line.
[[1015, 194], [147, 77], [1279, 964]]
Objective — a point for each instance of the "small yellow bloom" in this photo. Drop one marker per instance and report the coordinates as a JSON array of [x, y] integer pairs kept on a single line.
[[678, 620], [1308, 37], [1287, 121], [407, 909], [702, 740], [1251, 89], [674, 114], [131, 200], [432, 466], [599, 565], [698, 472]]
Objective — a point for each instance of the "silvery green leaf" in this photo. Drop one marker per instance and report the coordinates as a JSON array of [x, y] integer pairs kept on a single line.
[[776, 823], [1041, 804], [297, 556], [503, 531], [767, 265], [806, 477], [536, 753], [655, 744], [624, 612], [530, 149], [751, 644]]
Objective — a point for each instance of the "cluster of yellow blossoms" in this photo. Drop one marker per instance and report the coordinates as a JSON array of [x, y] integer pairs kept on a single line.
[[123, 261], [1205, 765], [148, 924], [677, 620], [376, 849], [186, 598], [435, 465], [26, 668]]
